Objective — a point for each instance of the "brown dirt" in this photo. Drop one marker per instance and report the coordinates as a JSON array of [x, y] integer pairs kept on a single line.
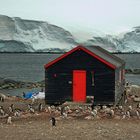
[[37, 127]]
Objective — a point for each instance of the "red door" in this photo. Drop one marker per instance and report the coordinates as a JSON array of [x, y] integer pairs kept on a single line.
[[79, 86]]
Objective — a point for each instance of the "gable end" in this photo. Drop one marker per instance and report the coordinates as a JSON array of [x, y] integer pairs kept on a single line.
[[85, 50]]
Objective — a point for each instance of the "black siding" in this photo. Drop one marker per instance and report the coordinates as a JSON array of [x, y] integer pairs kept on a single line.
[[59, 78]]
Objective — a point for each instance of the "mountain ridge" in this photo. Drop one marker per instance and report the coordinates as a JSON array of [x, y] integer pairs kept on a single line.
[[21, 35], [33, 35]]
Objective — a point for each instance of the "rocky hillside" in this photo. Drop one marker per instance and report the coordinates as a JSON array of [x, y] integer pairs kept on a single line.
[[126, 42], [20, 35]]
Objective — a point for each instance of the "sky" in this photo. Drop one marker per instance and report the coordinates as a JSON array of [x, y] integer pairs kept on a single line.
[[107, 16]]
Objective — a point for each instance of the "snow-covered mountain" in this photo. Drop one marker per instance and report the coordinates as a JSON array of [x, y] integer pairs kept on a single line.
[[126, 42], [19, 35]]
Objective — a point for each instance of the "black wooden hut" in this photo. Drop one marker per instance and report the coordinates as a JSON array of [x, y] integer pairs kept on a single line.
[[85, 71]]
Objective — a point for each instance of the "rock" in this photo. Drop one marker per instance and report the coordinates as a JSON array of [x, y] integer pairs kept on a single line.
[[136, 99], [117, 117], [5, 116], [6, 86], [88, 117], [58, 118]]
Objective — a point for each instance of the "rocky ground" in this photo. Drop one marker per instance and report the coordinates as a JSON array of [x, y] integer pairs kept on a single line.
[[132, 71], [78, 123], [12, 84], [39, 128]]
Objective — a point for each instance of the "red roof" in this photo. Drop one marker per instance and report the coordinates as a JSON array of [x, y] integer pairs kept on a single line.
[[80, 47]]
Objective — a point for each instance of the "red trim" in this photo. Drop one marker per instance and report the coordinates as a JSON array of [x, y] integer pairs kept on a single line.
[[61, 57], [85, 50]]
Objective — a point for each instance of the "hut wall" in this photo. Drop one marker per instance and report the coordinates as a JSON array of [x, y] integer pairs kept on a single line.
[[100, 78]]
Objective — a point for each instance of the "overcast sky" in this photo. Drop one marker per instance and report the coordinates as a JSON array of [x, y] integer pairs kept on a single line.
[[102, 15]]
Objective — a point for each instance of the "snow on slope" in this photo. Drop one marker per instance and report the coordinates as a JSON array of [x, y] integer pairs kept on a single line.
[[21, 35], [126, 42], [42, 35], [37, 35]]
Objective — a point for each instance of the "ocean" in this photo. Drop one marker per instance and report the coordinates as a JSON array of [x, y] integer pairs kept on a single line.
[[30, 66], [24, 66]]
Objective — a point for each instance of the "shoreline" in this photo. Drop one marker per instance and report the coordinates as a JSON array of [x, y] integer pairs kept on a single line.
[[13, 84]]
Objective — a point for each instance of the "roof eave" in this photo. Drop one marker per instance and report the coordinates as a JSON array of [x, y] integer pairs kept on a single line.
[[80, 47]]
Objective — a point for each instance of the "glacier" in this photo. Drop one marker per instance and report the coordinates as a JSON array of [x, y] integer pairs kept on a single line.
[[20, 35]]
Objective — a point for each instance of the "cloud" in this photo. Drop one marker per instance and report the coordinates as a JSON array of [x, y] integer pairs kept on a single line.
[[106, 15]]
